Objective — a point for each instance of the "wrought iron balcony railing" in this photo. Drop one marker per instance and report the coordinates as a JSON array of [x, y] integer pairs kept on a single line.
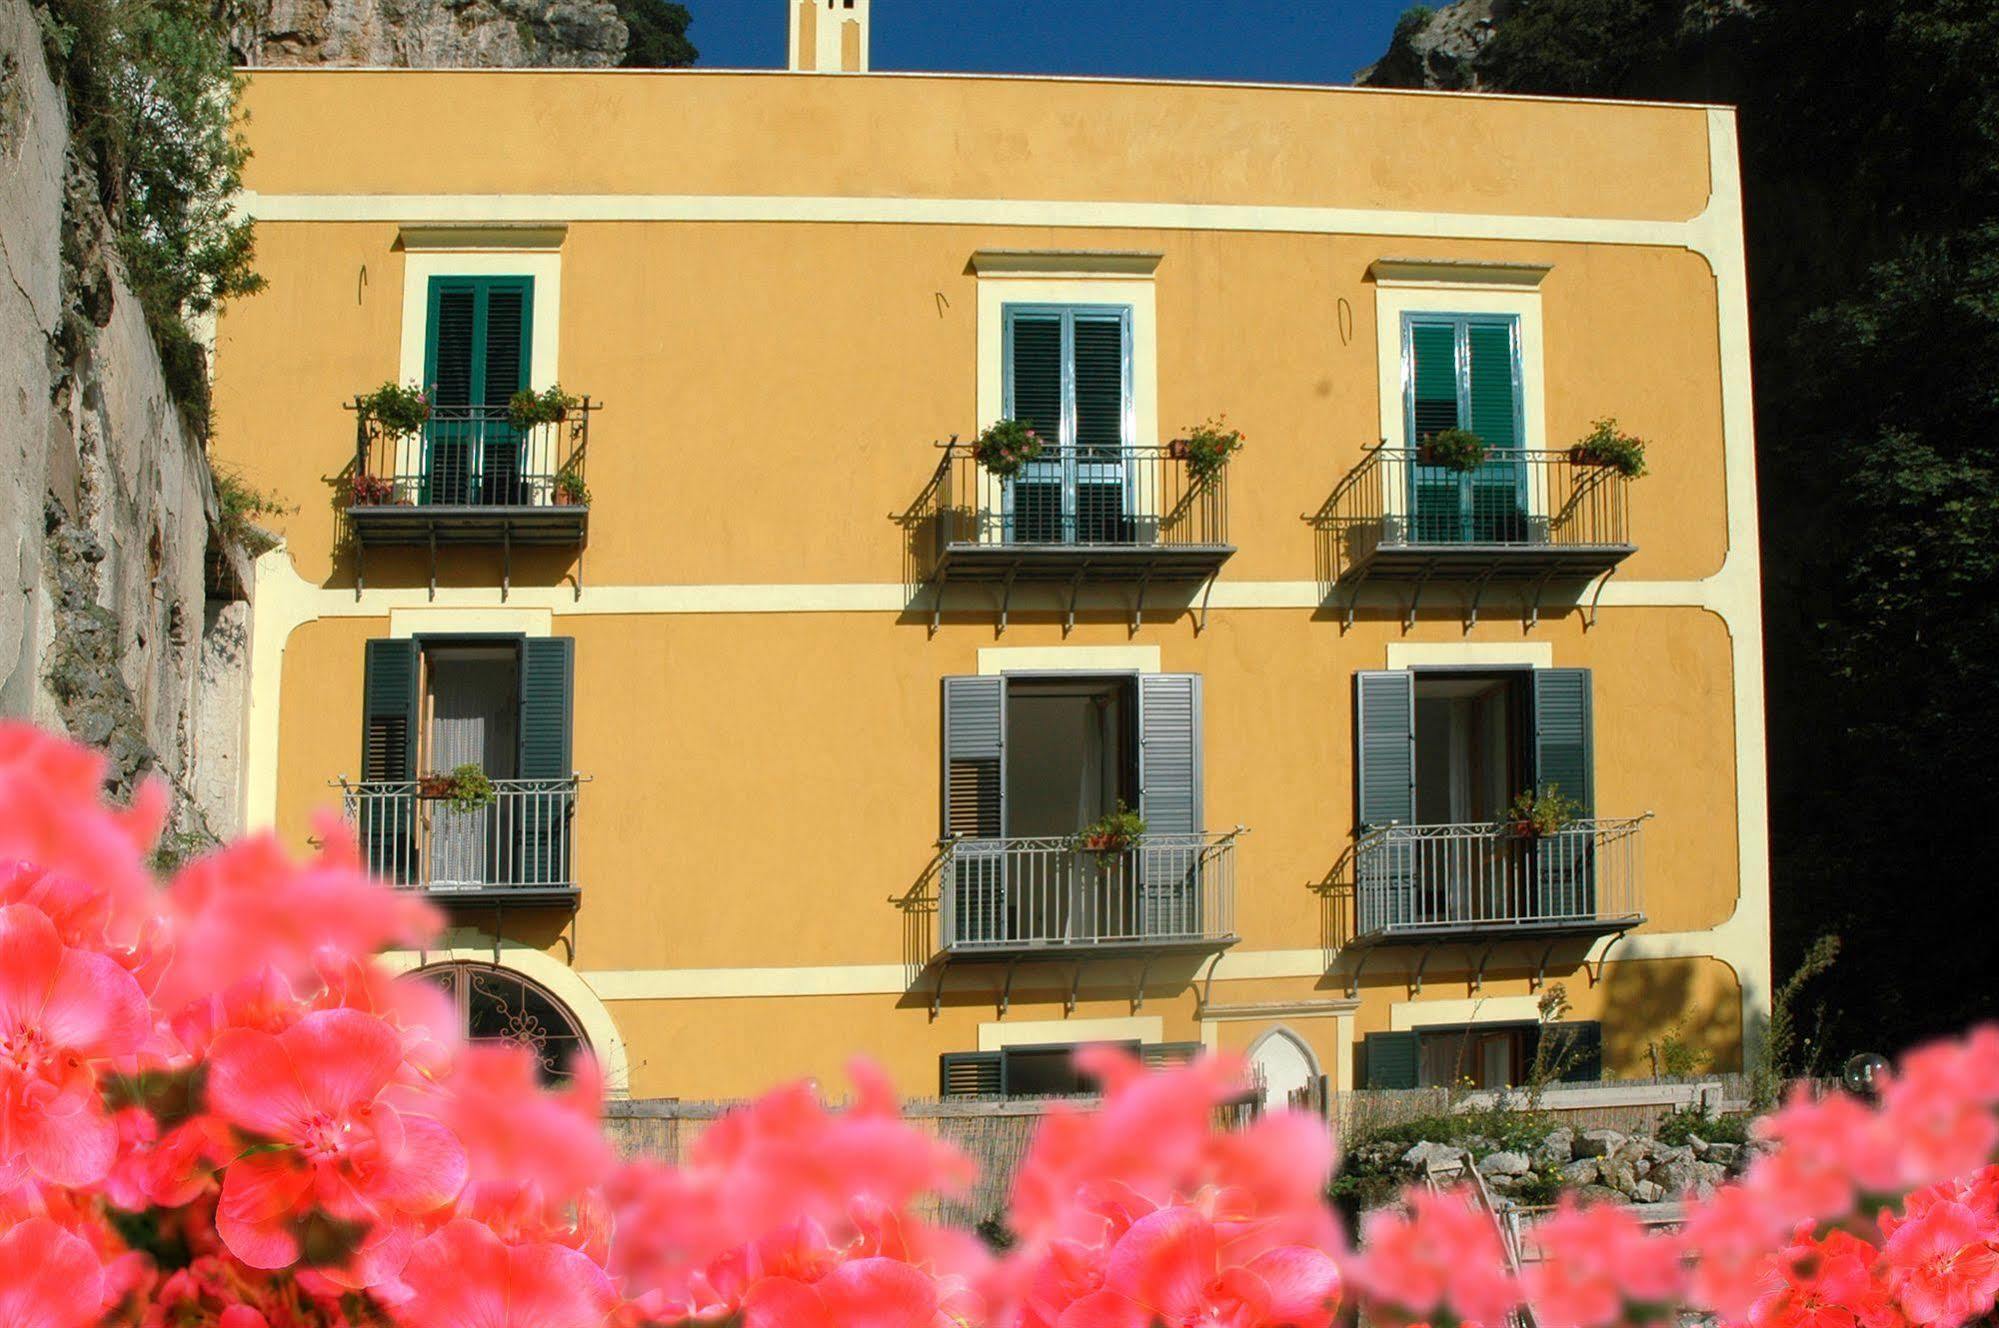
[[473, 457], [1082, 497], [1008, 896], [519, 848], [1424, 881]]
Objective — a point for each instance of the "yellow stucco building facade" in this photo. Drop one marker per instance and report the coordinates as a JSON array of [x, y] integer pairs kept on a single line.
[[795, 713]]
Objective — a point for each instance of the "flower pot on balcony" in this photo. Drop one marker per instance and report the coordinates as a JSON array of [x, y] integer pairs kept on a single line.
[[1177, 449], [436, 786], [1105, 843]]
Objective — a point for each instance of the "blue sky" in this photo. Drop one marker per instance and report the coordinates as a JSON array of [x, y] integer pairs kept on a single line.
[[1288, 41]]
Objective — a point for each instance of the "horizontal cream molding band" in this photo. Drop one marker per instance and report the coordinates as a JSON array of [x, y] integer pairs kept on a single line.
[[1456, 273], [571, 209], [693, 984]]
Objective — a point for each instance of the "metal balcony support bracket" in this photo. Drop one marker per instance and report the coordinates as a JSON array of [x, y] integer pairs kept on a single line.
[[1006, 597], [1596, 600], [1478, 593], [506, 559], [937, 599], [1603, 957], [1075, 985], [1353, 599], [1416, 597], [1208, 982], [579, 571], [1206, 592], [1541, 969], [1006, 987], [1478, 972], [1075, 590], [1422, 962], [1138, 992], [433, 561], [1353, 978], [1138, 602], [1534, 598], [937, 993], [360, 569]]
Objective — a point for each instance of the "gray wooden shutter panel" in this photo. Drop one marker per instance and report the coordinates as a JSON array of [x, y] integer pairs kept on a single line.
[[970, 1074], [548, 671], [1391, 1059], [1563, 735], [974, 809], [1169, 798], [1385, 747]]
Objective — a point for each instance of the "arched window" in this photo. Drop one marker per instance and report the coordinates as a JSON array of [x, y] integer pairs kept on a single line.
[[499, 1005]]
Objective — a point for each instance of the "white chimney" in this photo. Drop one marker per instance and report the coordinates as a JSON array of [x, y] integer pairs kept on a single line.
[[829, 36]]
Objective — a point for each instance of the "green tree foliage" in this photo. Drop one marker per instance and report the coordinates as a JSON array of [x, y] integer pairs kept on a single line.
[[658, 34], [1870, 148], [152, 103]]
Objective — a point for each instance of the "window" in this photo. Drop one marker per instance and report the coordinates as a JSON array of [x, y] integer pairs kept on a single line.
[[1495, 1055], [498, 1005], [1471, 756], [1043, 1070], [432, 705], [1068, 375], [476, 356], [1463, 372]]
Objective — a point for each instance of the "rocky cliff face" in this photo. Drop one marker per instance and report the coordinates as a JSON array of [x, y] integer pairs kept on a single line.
[[1437, 48], [428, 33], [107, 628]]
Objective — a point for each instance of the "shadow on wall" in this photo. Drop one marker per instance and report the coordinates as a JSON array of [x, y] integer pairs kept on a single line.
[[1647, 1001]]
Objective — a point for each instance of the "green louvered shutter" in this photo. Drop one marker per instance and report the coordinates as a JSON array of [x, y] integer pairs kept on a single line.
[[388, 756], [1384, 794], [1034, 397], [974, 809], [1099, 340], [548, 671], [1498, 509], [1435, 493], [1565, 759], [970, 1074], [1169, 798], [476, 357], [1391, 1059]]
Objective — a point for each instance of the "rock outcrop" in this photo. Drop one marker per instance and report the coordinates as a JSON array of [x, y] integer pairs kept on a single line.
[[428, 33], [1437, 48], [106, 499]]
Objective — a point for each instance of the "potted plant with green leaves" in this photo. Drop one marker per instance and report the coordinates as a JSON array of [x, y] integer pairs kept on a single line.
[[528, 408], [1539, 813], [467, 788], [1606, 445], [397, 411], [1004, 446], [1113, 832], [1206, 448], [1453, 449], [570, 490]]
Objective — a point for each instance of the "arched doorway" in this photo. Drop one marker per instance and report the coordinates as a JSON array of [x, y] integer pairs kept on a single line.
[[499, 1005], [1282, 1065]]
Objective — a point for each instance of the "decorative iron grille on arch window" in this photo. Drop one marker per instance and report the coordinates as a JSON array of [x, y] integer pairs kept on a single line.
[[499, 1005]]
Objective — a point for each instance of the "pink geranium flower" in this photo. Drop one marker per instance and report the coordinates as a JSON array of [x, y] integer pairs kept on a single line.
[[1596, 1260], [60, 1010], [54, 817], [866, 1293], [1827, 1283], [49, 1278], [1941, 1266], [314, 1092], [464, 1276], [1168, 1271], [1443, 1255]]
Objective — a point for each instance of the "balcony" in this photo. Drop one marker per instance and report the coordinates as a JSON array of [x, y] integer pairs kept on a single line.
[[517, 850], [1422, 883], [1075, 516], [471, 476], [1526, 516], [1009, 899]]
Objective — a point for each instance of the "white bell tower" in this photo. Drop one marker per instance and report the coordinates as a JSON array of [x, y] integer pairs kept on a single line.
[[829, 36]]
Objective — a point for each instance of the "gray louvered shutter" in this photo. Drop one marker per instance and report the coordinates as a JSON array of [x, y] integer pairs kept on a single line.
[[1564, 865], [1169, 798], [548, 669], [1162, 1055], [1384, 794], [974, 809], [1391, 1059], [388, 757], [970, 1074]]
